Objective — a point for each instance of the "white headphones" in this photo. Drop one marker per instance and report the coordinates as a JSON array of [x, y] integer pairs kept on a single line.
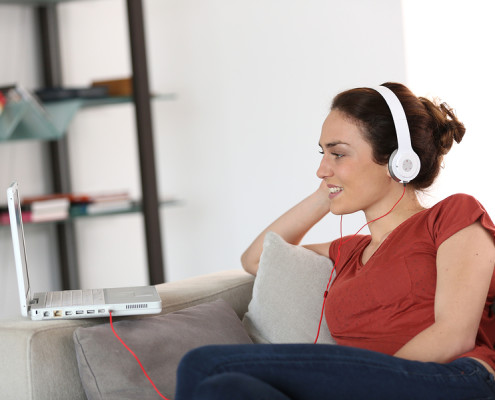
[[404, 163]]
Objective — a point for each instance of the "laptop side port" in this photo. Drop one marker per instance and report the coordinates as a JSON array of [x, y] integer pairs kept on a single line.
[[68, 313], [101, 311], [78, 312], [91, 311], [57, 313]]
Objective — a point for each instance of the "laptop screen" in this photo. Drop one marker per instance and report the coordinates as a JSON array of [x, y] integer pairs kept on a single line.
[[19, 245]]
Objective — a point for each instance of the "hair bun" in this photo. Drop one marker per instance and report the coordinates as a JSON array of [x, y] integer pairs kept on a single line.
[[445, 127]]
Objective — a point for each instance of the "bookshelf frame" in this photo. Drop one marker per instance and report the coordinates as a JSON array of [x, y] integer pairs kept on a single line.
[[58, 149]]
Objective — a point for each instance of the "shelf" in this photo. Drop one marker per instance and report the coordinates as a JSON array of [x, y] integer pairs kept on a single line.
[[27, 119], [135, 208], [34, 2]]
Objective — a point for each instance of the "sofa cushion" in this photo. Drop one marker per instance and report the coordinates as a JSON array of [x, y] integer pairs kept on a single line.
[[109, 371], [288, 294]]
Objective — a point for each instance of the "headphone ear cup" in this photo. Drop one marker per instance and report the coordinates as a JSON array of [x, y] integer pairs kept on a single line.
[[393, 170], [404, 166]]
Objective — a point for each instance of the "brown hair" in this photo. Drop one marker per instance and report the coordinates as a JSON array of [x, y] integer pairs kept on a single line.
[[433, 126]]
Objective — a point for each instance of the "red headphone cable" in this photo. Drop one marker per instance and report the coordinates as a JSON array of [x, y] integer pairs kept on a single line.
[[136, 357], [338, 258]]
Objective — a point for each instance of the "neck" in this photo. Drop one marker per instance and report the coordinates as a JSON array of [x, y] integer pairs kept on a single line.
[[404, 209]]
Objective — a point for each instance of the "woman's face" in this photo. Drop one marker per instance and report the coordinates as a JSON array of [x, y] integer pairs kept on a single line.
[[355, 181]]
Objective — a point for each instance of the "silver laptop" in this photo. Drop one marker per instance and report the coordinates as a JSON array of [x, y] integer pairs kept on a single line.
[[72, 304]]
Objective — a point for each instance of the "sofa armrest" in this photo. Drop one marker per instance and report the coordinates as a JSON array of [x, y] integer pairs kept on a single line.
[[235, 287], [38, 357]]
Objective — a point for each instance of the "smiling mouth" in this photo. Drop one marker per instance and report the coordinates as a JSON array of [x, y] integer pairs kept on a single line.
[[335, 189]]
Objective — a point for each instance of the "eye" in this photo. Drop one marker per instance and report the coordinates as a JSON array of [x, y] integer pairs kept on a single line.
[[321, 151], [337, 155]]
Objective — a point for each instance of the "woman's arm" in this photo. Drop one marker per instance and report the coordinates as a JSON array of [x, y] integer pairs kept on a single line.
[[292, 226], [465, 264]]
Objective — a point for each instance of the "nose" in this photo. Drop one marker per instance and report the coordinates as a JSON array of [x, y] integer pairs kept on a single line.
[[325, 169]]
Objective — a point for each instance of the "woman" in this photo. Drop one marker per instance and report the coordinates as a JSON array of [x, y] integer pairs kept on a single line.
[[410, 307]]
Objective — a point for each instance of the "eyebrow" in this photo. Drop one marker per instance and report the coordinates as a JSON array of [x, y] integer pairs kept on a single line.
[[333, 144]]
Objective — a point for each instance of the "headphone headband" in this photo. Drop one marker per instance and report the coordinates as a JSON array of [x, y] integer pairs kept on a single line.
[[404, 163]]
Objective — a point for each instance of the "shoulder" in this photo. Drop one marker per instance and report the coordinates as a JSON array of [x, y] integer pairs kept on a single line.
[[457, 207], [454, 213], [458, 199]]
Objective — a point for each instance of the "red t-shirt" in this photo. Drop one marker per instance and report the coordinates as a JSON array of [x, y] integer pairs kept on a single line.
[[383, 304]]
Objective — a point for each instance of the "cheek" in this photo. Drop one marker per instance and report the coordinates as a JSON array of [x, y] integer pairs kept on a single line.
[[368, 178], [375, 171], [357, 173]]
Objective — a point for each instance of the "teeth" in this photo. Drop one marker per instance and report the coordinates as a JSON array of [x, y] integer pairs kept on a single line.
[[335, 189]]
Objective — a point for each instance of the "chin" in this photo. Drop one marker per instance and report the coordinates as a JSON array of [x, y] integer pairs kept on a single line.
[[341, 206], [336, 210]]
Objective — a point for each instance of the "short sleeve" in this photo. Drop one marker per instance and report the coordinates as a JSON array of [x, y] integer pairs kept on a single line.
[[455, 213]]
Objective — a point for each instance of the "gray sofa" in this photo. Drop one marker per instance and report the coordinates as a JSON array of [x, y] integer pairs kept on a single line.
[[38, 359], [48, 360]]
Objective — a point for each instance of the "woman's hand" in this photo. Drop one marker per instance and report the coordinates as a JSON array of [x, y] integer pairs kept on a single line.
[[323, 191]]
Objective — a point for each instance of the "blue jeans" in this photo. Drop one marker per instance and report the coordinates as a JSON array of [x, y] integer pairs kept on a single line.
[[308, 371]]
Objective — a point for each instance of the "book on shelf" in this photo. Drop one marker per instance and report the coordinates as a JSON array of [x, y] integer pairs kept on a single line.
[[3, 101], [115, 87], [65, 93], [54, 207], [46, 210], [93, 208], [16, 93], [4, 216], [101, 203], [52, 210]]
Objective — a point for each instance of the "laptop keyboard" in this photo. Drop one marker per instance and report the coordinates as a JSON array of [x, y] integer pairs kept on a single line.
[[75, 298]]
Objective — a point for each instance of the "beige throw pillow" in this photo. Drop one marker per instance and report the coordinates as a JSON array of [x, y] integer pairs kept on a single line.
[[288, 294]]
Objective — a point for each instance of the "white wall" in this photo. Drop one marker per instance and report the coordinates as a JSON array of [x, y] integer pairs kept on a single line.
[[449, 55], [255, 80], [239, 145]]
